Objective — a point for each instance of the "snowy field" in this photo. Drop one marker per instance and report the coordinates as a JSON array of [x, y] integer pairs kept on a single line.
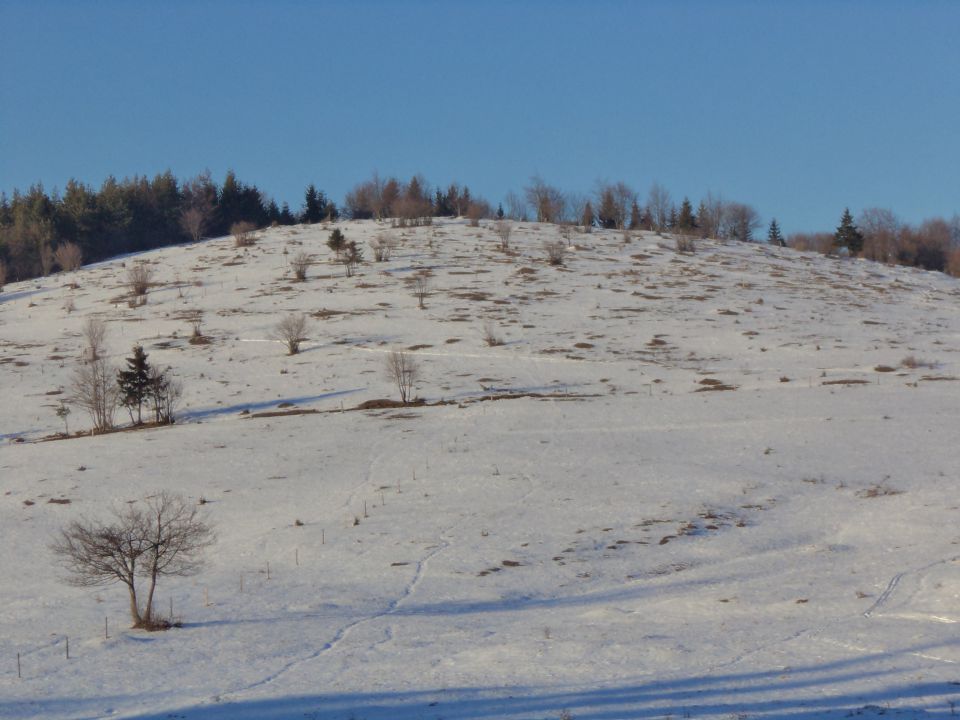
[[718, 485]]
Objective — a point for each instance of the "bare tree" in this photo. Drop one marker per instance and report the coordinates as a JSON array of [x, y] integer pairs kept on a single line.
[[94, 388], [163, 535], [421, 288], [291, 331], [139, 275], [555, 250], [194, 220], [548, 202], [880, 228], [94, 336], [403, 370], [658, 204], [68, 256], [516, 207], [503, 229], [299, 264], [741, 221]]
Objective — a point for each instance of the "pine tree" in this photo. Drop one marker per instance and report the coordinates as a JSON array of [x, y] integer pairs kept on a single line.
[[135, 384], [685, 220], [774, 236], [848, 235], [337, 241], [636, 216], [499, 211]]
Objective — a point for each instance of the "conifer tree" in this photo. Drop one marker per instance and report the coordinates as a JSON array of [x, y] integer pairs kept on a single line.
[[337, 241], [848, 235], [685, 219], [774, 236], [636, 216], [135, 384]]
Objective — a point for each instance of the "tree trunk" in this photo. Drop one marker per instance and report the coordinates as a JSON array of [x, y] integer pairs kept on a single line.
[[148, 613], [134, 607]]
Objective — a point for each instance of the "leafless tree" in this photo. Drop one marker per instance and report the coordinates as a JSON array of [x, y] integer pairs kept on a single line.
[[139, 275], [555, 250], [244, 233], [404, 371], [68, 256], [194, 220], [421, 288], [94, 336], [299, 264], [516, 207], [503, 229], [880, 228], [741, 221], [94, 388], [658, 204], [710, 216], [162, 535], [291, 331], [548, 202]]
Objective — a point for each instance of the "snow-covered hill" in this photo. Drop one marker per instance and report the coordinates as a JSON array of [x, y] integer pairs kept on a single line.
[[712, 485]]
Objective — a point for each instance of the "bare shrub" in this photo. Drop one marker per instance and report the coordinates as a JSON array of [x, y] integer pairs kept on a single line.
[[160, 536], [685, 244], [555, 250], [194, 220], [476, 211], [383, 248], [421, 288], [94, 335], [3, 274], [404, 372], [139, 275], [244, 233], [490, 335], [94, 389], [503, 229], [68, 256], [291, 331], [913, 362], [46, 259], [299, 264]]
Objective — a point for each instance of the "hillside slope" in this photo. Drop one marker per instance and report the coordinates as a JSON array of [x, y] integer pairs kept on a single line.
[[709, 485]]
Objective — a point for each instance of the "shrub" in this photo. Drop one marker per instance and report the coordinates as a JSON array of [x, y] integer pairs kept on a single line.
[[337, 241], [383, 248], [291, 331], [94, 389], [503, 229], [138, 278], [352, 255], [421, 288], [299, 264], [68, 256], [555, 250], [490, 336], [244, 233], [685, 244]]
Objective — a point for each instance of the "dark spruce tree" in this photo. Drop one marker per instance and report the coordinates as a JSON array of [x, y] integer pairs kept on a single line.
[[337, 241], [774, 236], [848, 235], [685, 220], [135, 384], [314, 205]]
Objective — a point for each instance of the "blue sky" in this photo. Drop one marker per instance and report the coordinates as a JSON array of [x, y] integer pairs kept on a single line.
[[798, 108]]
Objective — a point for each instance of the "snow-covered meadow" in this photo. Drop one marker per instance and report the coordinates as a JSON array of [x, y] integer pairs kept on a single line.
[[710, 485]]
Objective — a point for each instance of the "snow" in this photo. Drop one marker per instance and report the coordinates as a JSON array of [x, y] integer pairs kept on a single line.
[[567, 526]]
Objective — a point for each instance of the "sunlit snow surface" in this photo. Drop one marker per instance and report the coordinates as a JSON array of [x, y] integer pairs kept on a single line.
[[566, 527]]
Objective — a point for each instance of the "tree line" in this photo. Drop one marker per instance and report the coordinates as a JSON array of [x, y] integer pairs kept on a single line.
[[41, 232]]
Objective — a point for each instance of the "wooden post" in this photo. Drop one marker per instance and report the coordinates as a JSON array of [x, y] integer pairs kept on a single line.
[[18, 667], [68, 646], [106, 629], [206, 598], [268, 570], [171, 608], [296, 556], [241, 583], [382, 500], [323, 537], [365, 509]]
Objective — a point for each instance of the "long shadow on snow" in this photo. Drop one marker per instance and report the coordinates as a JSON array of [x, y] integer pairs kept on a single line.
[[196, 415], [819, 690]]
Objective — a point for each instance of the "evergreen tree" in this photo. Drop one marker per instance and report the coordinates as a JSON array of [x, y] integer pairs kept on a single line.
[[135, 384], [636, 216], [286, 217], [774, 236], [499, 211], [848, 235], [314, 205], [685, 219], [337, 241]]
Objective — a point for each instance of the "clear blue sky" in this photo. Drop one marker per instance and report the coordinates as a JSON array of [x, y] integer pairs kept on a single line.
[[798, 108]]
